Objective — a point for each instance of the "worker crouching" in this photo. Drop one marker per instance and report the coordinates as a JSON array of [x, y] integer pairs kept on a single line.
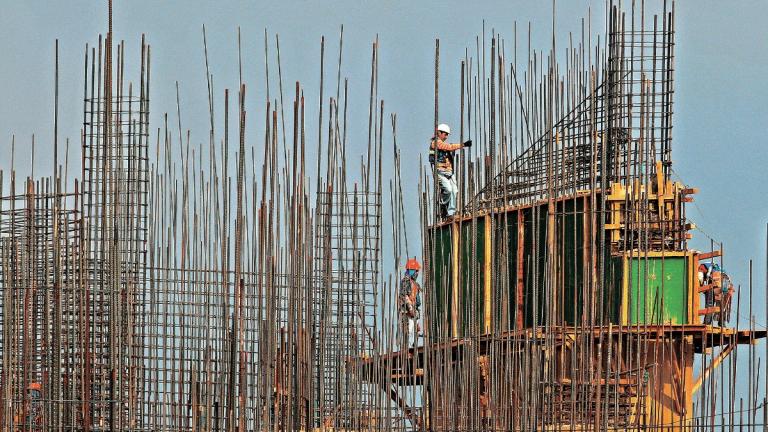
[[441, 156], [409, 305]]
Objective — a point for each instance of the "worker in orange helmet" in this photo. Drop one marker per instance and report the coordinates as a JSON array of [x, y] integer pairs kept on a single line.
[[33, 406], [409, 304]]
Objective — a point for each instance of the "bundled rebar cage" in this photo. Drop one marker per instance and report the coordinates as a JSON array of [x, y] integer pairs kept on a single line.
[[114, 202], [41, 305], [347, 267], [585, 127]]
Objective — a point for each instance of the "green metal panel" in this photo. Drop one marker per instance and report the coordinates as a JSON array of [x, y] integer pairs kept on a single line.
[[534, 265], [612, 288], [441, 270], [507, 307], [657, 290], [656, 295], [570, 226], [472, 277]]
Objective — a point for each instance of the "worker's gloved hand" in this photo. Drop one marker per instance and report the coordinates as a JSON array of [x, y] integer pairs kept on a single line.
[[467, 143]]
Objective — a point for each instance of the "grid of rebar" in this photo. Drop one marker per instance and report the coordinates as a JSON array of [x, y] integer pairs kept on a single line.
[[346, 262], [588, 127], [41, 300], [115, 180]]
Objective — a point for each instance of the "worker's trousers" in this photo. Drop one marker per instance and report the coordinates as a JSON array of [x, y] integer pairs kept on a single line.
[[407, 332], [448, 191]]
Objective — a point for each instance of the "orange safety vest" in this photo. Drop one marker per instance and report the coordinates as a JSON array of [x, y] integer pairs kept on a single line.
[[409, 297]]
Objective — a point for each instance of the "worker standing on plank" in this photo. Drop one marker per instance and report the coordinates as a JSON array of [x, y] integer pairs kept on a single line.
[[409, 304], [718, 292], [441, 154]]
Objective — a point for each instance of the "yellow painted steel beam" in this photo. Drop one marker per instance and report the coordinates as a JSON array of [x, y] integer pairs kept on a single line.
[[455, 253]]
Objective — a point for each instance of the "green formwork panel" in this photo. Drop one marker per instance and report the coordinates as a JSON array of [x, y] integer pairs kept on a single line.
[[611, 294], [507, 229], [657, 289], [534, 266], [441, 269], [570, 235], [472, 277]]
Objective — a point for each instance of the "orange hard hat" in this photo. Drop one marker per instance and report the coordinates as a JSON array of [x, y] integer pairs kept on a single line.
[[412, 264], [35, 386]]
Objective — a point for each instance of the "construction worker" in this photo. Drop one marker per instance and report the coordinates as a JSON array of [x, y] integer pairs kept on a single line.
[[718, 292], [32, 408], [441, 156], [409, 304]]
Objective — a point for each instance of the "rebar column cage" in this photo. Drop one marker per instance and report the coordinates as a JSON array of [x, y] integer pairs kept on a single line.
[[115, 181], [628, 106], [41, 307], [344, 298], [187, 333]]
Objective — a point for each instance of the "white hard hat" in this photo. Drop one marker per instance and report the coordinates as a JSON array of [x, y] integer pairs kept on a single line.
[[442, 127]]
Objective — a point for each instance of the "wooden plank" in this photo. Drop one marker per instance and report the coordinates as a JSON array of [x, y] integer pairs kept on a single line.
[[708, 255]]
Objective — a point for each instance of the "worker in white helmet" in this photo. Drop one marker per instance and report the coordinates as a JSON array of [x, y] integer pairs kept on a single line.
[[441, 156]]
